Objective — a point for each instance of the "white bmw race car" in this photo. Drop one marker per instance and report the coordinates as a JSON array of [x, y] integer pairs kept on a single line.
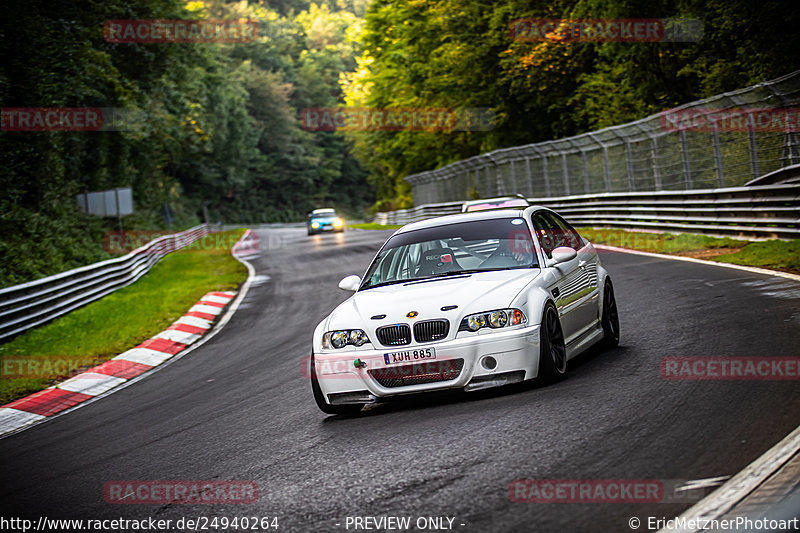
[[465, 301]]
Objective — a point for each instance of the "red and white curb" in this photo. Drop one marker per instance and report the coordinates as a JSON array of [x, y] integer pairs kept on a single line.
[[100, 379], [202, 322]]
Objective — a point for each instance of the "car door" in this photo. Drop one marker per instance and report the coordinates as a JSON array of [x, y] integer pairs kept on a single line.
[[568, 282], [586, 296]]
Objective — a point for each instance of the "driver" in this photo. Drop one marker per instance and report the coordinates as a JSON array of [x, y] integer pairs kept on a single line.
[[509, 253]]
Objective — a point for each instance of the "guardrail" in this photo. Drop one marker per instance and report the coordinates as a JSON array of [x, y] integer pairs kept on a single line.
[[760, 212], [37, 302]]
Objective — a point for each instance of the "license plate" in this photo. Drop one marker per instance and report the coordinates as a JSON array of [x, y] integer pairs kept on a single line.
[[409, 356]]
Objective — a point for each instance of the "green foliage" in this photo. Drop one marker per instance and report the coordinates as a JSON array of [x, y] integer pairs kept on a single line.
[[664, 243], [373, 226], [460, 53], [216, 123], [780, 255], [775, 254], [217, 127]]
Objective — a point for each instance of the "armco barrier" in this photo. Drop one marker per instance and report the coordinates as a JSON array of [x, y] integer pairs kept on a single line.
[[37, 302], [760, 212]]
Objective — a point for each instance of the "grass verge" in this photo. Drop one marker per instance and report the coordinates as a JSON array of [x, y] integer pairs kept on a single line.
[[119, 321], [372, 225], [774, 254]]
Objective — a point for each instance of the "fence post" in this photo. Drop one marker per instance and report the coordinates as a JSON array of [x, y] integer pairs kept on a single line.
[[717, 155], [477, 181], [656, 171], [448, 187], [513, 179], [498, 176], [687, 170], [546, 175], [606, 171], [629, 164], [751, 136], [528, 175], [790, 142], [564, 170], [586, 187]]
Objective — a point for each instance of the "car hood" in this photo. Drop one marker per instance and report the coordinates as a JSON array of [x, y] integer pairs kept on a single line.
[[472, 293]]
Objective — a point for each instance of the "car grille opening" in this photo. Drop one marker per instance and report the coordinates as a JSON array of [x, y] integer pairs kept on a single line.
[[418, 374], [431, 330], [396, 335]]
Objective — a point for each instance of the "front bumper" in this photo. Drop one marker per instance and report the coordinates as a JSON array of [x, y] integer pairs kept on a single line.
[[322, 228], [515, 351]]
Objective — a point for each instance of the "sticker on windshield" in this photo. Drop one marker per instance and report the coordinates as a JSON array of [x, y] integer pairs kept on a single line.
[[517, 221]]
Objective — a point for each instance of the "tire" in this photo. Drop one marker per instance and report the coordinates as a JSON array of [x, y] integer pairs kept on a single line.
[[552, 351], [610, 317], [324, 406]]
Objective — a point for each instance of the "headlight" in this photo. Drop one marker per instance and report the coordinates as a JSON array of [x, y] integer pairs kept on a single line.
[[341, 338], [315, 225], [357, 337], [338, 222], [474, 322], [499, 318]]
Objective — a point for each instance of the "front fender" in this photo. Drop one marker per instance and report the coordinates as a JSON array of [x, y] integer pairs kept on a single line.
[[532, 302]]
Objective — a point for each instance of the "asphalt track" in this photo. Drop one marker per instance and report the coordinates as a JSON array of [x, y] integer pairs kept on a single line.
[[239, 408]]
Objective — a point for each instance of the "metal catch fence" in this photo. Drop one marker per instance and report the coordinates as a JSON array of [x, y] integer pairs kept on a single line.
[[705, 144]]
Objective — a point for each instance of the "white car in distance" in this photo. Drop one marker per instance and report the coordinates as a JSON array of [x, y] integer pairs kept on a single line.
[[466, 301]]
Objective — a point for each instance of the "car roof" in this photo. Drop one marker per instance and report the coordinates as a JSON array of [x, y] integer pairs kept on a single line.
[[513, 212], [496, 199], [324, 210]]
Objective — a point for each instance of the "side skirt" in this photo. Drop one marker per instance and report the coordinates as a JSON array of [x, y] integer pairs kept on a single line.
[[587, 339]]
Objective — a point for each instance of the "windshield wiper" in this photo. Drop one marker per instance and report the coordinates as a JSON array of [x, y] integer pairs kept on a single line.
[[444, 275], [384, 283], [426, 278]]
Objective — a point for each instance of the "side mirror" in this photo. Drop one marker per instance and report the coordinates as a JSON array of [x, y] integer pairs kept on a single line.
[[562, 254], [350, 283]]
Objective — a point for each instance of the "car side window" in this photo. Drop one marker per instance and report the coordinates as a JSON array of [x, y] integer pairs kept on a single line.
[[567, 236], [546, 232]]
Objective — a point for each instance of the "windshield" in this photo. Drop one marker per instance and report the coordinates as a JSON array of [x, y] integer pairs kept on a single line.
[[323, 213], [453, 249]]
